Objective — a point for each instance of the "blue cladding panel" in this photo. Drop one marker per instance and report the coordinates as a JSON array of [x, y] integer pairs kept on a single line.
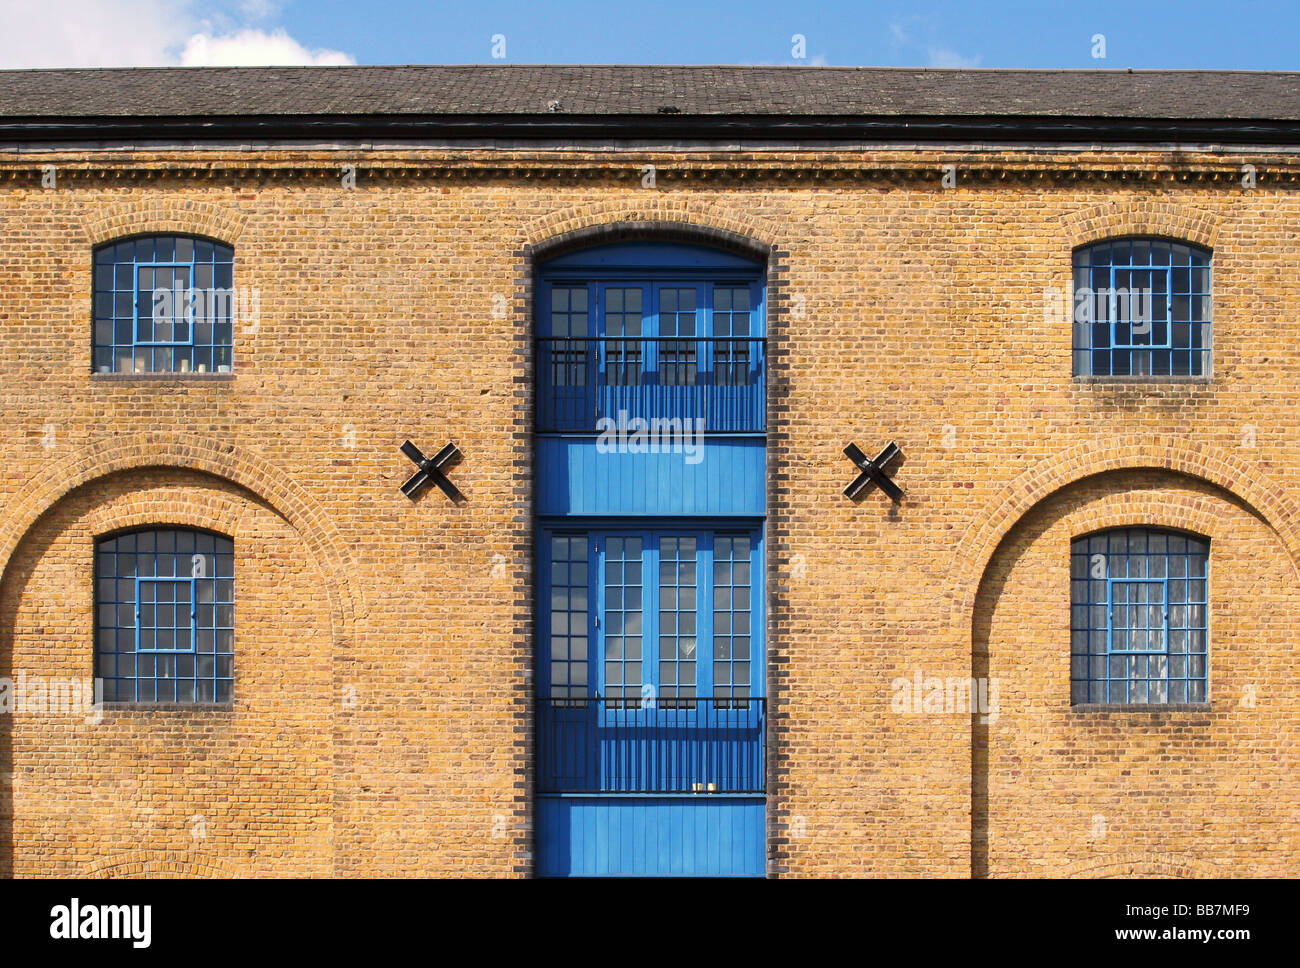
[[602, 745], [575, 478], [586, 384], [651, 836]]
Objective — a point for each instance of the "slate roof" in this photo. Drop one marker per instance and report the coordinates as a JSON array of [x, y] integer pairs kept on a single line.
[[501, 90]]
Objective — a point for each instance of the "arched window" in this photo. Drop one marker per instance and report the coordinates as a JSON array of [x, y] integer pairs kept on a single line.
[[1140, 622], [650, 330], [164, 304], [1141, 308], [165, 606]]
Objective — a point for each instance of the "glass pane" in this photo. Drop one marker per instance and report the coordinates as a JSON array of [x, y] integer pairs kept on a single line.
[[677, 557], [623, 616], [1139, 619], [146, 597]]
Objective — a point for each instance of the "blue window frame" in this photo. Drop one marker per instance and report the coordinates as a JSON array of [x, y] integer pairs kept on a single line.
[[679, 600], [164, 304], [165, 603], [165, 614], [655, 685], [664, 613], [570, 617], [1142, 308], [651, 331], [1140, 626], [733, 612], [620, 633]]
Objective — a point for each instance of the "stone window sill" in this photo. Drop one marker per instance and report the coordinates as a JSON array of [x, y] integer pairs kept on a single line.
[[1121, 381], [162, 377], [1169, 707], [145, 706]]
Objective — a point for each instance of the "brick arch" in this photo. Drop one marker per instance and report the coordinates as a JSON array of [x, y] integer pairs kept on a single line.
[[162, 214], [1190, 514], [1135, 864], [259, 477], [1140, 216], [152, 864], [664, 215], [156, 506], [976, 547]]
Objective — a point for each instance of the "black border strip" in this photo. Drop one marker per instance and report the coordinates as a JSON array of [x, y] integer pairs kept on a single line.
[[1019, 129]]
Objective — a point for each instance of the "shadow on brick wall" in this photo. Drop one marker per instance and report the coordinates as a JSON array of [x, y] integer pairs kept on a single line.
[[6, 760], [992, 585], [16, 792]]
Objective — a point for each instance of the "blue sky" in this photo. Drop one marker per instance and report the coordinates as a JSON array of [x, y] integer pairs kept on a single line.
[[1139, 33], [938, 33]]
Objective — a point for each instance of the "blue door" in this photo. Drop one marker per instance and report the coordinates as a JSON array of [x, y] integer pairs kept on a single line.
[[651, 716], [651, 488]]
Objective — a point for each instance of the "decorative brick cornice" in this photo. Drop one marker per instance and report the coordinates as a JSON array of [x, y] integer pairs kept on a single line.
[[1154, 171]]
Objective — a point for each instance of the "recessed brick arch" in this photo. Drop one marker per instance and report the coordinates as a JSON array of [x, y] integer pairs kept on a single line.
[[1191, 514], [162, 214], [171, 865], [156, 506], [1141, 865], [1235, 476], [1153, 215], [254, 474], [675, 217]]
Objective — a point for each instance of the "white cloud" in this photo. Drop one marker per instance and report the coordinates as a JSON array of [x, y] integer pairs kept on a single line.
[[943, 57], [257, 48], [259, 9], [90, 33], [148, 33]]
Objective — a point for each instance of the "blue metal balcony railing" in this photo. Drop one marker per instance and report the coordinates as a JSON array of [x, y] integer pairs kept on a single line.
[[721, 381], [697, 745]]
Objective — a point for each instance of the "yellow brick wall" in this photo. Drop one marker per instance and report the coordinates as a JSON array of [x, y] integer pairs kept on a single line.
[[383, 658], [245, 789], [1063, 791]]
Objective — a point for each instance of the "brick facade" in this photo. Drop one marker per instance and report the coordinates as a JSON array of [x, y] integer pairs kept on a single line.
[[382, 721]]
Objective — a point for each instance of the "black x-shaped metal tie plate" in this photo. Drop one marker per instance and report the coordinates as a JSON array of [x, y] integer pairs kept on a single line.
[[430, 471], [873, 471]]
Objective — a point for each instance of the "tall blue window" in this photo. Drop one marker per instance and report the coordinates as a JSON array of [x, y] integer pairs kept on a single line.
[[165, 605], [650, 501], [164, 304], [654, 654], [1141, 308], [659, 331], [623, 640], [733, 606], [1140, 627], [567, 562], [663, 613]]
